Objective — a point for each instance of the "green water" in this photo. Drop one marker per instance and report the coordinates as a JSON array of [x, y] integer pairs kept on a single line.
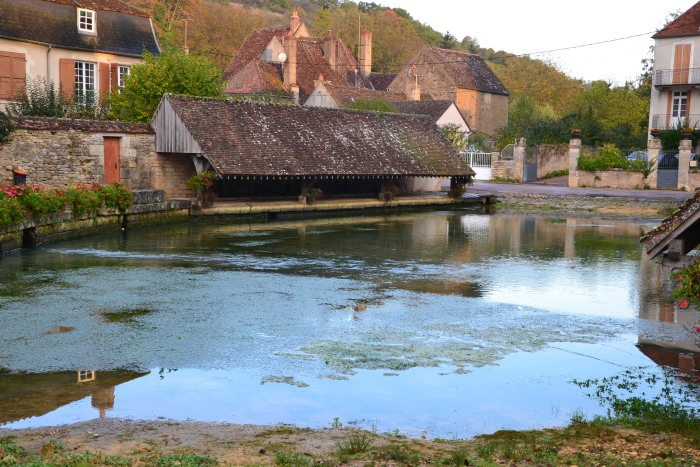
[[445, 323]]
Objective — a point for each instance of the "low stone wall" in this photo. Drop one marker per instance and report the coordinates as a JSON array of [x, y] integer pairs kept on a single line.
[[502, 168], [611, 179], [170, 173], [551, 158], [56, 152], [150, 208]]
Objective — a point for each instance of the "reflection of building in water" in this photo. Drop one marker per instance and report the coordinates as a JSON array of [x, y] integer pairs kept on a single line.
[[35, 394]]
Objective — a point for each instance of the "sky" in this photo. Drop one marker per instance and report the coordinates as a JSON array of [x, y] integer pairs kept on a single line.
[[526, 27]]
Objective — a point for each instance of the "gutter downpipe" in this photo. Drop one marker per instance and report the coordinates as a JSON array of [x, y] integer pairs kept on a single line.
[[48, 66]]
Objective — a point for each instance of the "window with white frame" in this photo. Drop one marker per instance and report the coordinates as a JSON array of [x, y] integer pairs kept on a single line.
[[122, 72], [86, 20], [84, 82]]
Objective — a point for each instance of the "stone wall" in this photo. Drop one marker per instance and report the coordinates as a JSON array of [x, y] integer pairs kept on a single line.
[[56, 152], [501, 168], [170, 172], [611, 179], [551, 158]]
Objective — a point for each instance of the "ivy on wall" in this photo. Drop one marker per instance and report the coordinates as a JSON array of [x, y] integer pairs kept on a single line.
[[6, 127]]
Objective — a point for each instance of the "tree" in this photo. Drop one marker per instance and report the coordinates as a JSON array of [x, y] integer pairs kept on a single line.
[[448, 41], [172, 72], [455, 136]]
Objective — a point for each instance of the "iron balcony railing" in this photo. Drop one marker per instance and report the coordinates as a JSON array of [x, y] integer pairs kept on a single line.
[[677, 77], [665, 121]]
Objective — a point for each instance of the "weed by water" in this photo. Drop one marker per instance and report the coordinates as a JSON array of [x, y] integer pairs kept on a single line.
[[357, 443]]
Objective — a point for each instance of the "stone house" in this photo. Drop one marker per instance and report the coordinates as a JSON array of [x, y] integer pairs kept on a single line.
[[675, 99], [285, 150], [286, 61], [464, 78], [86, 47]]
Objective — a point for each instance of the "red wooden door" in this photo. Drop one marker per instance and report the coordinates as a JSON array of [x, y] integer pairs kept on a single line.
[[112, 162]]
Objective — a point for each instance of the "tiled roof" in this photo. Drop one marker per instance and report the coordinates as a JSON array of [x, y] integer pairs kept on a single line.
[[278, 140], [102, 126], [467, 71], [381, 81], [55, 23], [683, 223], [310, 63], [257, 77], [687, 24], [104, 5], [252, 48], [434, 109], [344, 95]]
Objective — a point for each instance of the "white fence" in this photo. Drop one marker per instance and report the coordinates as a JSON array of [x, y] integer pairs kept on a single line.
[[480, 162]]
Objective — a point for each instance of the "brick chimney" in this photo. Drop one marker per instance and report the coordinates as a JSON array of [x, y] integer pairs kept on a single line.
[[366, 53], [330, 50], [290, 64], [294, 23]]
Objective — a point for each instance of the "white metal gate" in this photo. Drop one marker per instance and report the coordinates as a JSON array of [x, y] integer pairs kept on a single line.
[[480, 162]]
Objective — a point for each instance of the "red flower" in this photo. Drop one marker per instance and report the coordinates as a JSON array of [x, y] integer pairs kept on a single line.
[[697, 329], [680, 276], [683, 304]]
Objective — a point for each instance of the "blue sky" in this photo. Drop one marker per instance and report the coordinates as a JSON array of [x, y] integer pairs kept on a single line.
[[536, 26]]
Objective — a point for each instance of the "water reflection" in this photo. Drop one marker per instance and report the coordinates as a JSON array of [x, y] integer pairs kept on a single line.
[[28, 395], [476, 322]]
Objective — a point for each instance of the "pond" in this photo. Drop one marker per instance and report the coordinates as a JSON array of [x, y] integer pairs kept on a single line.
[[439, 324]]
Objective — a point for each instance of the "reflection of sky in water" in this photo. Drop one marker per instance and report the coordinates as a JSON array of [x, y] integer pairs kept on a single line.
[[481, 321]]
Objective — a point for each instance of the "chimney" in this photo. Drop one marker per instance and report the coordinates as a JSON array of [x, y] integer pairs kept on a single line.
[[290, 64], [294, 23], [295, 94], [318, 81], [413, 91], [330, 50], [366, 53]]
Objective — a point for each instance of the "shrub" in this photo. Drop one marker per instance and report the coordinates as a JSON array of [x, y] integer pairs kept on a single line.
[[118, 197], [609, 158], [6, 128]]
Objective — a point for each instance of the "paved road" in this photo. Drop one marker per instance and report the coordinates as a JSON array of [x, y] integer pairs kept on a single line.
[[558, 186]]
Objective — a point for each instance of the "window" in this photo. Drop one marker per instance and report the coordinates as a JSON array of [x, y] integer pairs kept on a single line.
[[85, 376], [679, 108], [86, 20], [12, 74], [122, 73], [84, 82]]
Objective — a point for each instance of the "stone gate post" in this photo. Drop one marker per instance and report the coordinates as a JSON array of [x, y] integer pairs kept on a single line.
[[653, 151], [519, 158], [574, 154], [684, 164]]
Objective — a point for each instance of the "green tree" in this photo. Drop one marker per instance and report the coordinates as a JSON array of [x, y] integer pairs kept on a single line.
[[172, 72], [455, 136]]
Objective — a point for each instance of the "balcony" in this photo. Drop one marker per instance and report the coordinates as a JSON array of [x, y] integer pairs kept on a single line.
[[665, 121], [682, 77]]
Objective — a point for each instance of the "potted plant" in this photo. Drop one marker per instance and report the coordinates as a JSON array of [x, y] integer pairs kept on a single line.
[[686, 132], [576, 133], [201, 185], [655, 132]]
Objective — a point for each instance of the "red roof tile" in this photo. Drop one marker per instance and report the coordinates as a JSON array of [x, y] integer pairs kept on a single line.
[[687, 24]]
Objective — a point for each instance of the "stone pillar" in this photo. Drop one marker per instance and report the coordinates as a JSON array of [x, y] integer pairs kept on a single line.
[[684, 164], [653, 151], [519, 158], [574, 154], [366, 53]]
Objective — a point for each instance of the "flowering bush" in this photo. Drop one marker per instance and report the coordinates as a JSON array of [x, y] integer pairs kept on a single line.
[[687, 287], [19, 201]]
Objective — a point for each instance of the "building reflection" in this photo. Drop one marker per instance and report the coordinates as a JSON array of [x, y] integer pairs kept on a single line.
[[29, 395]]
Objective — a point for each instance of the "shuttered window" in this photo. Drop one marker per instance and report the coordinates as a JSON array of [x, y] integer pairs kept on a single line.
[[12, 74]]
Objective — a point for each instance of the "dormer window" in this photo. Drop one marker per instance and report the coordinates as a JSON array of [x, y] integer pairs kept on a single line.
[[86, 20]]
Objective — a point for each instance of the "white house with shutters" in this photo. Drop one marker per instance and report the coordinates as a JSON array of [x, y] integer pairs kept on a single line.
[[85, 46], [675, 94]]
